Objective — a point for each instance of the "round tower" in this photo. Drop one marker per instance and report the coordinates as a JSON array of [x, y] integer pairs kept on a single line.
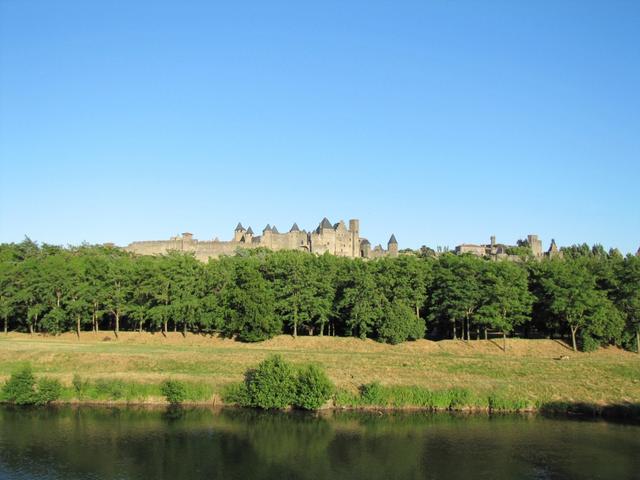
[[354, 230]]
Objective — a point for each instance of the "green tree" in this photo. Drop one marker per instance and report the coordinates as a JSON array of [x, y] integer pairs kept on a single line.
[[250, 304], [506, 298], [117, 288], [456, 290], [572, 294], [399, 324], [361, 300], [628, 295]]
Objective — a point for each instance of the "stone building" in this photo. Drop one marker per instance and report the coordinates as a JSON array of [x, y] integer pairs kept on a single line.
[[500, 250], [335, 239]]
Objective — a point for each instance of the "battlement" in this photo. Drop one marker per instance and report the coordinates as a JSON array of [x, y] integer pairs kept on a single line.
[[335, 239]]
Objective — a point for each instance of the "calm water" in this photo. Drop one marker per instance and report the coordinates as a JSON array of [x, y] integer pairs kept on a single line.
[[86, 443]]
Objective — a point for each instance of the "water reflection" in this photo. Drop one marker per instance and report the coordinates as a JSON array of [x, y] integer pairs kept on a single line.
[[105, 443]]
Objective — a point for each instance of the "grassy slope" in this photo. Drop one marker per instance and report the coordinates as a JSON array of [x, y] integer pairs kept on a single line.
[[529, 369]]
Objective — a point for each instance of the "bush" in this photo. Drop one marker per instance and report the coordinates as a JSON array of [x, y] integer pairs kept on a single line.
[[589, 344], [314, 388], [174, 391], [276, 384], [49, 390], [20, 388], [399, 324], [272, 384]]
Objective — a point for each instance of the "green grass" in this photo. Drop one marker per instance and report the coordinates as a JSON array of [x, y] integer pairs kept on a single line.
[[133, 367]]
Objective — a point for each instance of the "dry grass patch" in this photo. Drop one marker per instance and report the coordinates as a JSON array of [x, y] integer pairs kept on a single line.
[[529, 368]]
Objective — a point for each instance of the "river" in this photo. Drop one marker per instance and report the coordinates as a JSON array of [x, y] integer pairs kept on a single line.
[[135, 443]]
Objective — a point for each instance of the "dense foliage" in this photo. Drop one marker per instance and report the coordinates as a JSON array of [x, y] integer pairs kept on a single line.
[[22, 388], [174, 391], [590, 297], [277, 384]]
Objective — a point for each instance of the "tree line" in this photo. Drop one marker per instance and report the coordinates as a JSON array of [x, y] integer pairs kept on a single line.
[[589, 296]]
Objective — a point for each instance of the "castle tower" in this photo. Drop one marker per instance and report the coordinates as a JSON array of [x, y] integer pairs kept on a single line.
[[187, 240], [266, 239], [392, 246], [354, 229], [553, 249], [536, 245], [365, 248], [238, 232], [248, 236]]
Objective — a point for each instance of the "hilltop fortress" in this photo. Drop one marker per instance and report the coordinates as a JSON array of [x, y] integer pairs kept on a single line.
[[336, 239]]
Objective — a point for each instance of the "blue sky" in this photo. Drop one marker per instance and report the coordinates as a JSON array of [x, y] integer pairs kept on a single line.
[[440, 121]]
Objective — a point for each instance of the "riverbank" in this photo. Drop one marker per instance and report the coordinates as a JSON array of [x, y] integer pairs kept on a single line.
[[530, 375]]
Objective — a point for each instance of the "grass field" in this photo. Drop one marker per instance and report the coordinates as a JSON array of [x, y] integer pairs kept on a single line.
[[530, 369]]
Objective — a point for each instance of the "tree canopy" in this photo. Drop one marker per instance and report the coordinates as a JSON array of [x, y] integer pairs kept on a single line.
[[590, 296]]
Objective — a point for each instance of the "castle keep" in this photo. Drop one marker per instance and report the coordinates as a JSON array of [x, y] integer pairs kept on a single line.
[[335, 239]]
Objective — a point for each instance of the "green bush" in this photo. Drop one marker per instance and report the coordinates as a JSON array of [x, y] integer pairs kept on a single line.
[[174, 391], [399, 324], [589, 343], [272, 384], [48, 390], [20, 388], [313, 388]]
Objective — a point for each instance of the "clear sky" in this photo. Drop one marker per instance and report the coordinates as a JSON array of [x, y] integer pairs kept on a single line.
[[440, 121]]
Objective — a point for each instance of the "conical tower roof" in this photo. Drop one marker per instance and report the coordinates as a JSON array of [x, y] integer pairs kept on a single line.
[[325, 223], [239, 227], [267, 228], [294, 228], [249, 231], [274, 229], [393, 240]]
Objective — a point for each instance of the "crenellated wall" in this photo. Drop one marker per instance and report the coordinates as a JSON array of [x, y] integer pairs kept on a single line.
[[335, 239]]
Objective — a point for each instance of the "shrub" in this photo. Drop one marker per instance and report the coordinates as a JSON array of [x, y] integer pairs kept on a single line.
[[313, 388], [272, 384], [20, 388], [174, 391], [49, 390], [399, 324], [589, 343]]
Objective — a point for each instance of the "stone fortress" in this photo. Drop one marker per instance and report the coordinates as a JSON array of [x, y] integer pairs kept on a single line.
[[500, 250], [336, 239]]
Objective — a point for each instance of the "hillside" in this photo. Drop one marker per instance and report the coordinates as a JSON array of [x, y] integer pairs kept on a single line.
[[529, 368]]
